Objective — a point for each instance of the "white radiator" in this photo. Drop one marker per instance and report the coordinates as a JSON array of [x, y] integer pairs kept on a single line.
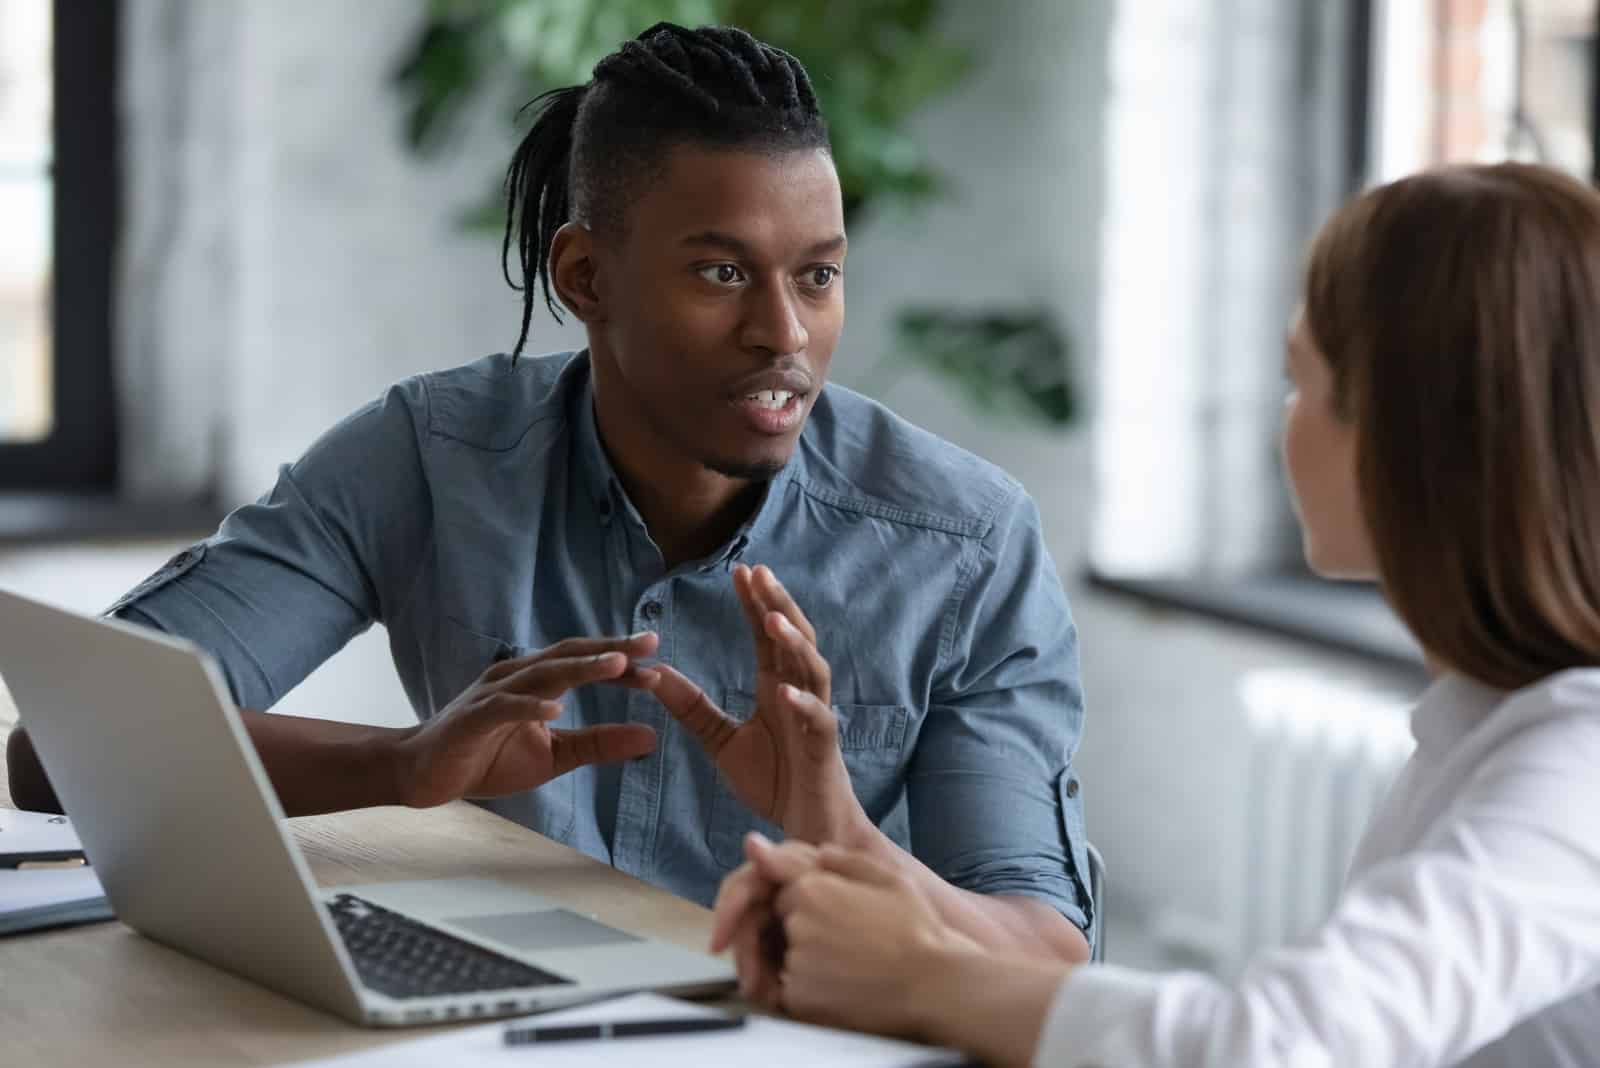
[[1321, 756]]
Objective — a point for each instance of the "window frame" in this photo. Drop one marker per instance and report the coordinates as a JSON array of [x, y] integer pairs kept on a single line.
[[1594, 101], [80, 453]]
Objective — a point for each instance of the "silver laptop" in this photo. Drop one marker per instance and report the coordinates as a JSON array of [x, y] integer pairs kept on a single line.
[[151, 761]]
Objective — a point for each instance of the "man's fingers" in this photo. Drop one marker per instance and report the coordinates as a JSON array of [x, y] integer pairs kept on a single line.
[[599, 745], [778, 600], [858, 866], [795, 655], [803, 662], [552, 678], [504, 707], [819, 723], [633, 646], [754, 612], [691, 707]]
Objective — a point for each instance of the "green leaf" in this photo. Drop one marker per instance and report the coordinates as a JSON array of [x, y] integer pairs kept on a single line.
[[874, 63], [1012, 363], [440, 73]]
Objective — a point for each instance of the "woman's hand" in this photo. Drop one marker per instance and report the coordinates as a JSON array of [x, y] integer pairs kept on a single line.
[[835, 936], [743, 919], [860, 939]]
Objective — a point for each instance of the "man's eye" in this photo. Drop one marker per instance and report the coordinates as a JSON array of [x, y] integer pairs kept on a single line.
[[821, 277], [722, 274]]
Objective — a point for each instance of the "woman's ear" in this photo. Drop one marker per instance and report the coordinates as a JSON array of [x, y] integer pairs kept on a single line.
[[573, 269]]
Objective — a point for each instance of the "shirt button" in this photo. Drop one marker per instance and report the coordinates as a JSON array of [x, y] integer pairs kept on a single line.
[[652, 610], [1072, 787]]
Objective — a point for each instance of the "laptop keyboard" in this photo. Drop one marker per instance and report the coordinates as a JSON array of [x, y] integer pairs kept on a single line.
[[402, 958]]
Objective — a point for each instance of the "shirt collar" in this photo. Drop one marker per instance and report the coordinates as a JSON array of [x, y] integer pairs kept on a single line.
[[1449, 708], [600, 478], [610, 499]]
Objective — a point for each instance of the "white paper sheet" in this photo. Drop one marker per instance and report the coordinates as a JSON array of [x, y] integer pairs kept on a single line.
[[767, 1042]]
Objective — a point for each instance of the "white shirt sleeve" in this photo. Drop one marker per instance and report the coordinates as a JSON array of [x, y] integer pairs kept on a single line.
[[1428, 956]]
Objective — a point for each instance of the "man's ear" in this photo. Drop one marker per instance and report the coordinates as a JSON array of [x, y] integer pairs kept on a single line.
[[574, 270]]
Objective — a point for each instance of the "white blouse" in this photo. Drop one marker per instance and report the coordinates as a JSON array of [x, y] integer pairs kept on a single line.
[[1468, 932]]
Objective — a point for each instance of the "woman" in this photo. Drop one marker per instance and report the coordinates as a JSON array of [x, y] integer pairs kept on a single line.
[[1442, 435]]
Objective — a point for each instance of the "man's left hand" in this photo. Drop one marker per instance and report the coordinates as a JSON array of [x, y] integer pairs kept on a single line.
[[784, 762]]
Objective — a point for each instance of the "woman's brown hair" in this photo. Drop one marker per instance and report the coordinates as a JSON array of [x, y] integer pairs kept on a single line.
[[1459, 311]]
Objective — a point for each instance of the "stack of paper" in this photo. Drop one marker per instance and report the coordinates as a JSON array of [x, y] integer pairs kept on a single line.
[[34, 892], [768, 1042], [50, 897]]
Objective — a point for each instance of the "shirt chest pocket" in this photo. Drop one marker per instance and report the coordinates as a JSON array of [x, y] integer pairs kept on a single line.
[[872, 739], [463, 655]]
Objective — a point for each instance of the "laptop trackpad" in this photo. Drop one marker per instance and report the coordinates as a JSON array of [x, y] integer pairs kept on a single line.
[[541, 931]]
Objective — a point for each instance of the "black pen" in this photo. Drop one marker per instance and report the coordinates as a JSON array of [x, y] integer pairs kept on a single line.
[[527, 1036]]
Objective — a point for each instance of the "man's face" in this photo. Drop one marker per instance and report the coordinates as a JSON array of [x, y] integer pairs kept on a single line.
[[724, 301]]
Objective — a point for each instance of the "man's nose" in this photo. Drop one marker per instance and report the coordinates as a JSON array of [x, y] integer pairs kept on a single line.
[[772, 321]]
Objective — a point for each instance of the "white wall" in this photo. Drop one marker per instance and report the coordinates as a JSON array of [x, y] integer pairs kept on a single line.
[[286, 256], [1023, 148], [309, 260]]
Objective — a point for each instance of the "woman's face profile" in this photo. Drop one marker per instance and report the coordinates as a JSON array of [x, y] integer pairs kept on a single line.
[[1319, 453]]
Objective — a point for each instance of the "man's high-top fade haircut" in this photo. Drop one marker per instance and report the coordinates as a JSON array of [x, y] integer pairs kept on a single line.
[[591, 145]]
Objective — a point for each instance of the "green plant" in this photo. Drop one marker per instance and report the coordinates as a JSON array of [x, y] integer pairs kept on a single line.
[[1001, 362], [873, 64]]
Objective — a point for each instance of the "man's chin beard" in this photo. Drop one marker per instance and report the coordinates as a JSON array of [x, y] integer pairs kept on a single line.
[[748, 471]]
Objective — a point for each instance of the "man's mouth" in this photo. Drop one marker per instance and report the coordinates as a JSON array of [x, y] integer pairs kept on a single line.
[[773, 412], [773, 400]]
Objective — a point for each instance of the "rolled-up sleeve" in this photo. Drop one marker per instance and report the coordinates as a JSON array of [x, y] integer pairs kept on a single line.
[[286, 582], [994, 804]]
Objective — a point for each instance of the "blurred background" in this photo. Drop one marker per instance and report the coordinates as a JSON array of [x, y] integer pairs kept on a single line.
[[1076, 228]]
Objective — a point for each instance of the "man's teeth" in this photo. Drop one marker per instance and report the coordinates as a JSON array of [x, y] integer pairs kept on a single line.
[[773, 399]]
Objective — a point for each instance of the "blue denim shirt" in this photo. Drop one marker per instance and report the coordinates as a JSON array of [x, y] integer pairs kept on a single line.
[[474, 513]]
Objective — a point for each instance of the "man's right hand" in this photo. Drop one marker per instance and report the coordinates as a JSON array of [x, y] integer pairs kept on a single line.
[[495, 738]]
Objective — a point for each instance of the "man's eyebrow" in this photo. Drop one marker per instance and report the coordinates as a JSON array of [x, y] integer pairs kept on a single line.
[[721, 242], [716, 240], [830, 247]]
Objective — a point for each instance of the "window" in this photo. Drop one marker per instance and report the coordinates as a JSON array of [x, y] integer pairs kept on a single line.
[[58, 181], [1483, 80], [1202, 523], [25, 218]]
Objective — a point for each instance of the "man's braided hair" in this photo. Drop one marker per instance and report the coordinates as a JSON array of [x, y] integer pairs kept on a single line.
[[591, 145]]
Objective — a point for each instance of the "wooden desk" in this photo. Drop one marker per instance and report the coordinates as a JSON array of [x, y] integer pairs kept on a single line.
[[101, 994]]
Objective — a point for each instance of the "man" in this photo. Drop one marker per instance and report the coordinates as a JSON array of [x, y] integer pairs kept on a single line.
[[497, 517]]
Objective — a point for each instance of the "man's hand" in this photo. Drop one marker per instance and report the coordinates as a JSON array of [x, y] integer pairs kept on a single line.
[[784, 762], [494, 739]]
